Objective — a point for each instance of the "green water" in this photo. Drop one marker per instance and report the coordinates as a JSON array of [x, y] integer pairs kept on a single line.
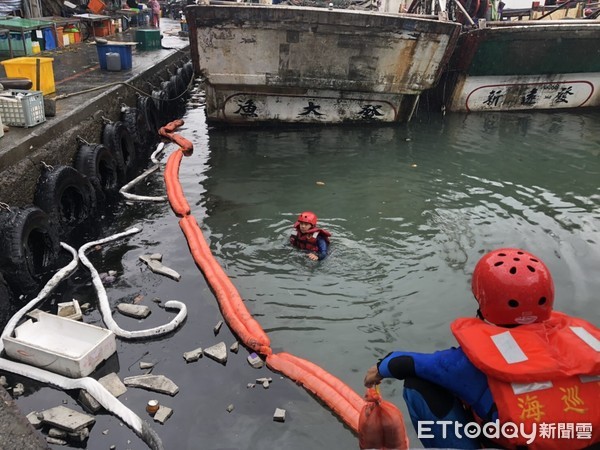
[[411, 209]]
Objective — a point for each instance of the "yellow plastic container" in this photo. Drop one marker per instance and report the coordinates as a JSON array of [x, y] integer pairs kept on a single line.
[[26, 67], [35, 47]]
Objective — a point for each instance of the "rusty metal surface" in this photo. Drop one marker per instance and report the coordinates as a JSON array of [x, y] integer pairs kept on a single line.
[[278, 50]]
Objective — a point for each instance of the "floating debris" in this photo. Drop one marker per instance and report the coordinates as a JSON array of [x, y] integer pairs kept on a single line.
[[70, 310], [157, 267], [193, 355], [156, 383], [250, 385], [135, 311], [35, 419], [230, 408], [217, 352], [67, 419], [235, 347], [255, 361], [279, 415], [152, 406], [113, 384], [162, 414], [18, 390], [146, 365], [217, 327]]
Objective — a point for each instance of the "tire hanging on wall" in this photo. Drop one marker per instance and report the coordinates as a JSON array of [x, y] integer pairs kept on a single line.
[[99, 164], [188, 70], [136, 127], [67, 196], [151, 117], [159, 97], [180, 88], [170, 91], [7, 306], [29, 248], [116, 137]]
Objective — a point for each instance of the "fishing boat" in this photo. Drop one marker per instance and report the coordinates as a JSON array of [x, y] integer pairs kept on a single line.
[[532, 60], [266, 64]]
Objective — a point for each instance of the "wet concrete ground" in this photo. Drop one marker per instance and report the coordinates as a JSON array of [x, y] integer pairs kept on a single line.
[[77, 70]]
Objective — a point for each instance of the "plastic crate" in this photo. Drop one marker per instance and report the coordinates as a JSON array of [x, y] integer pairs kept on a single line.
[[17, 43], [124, 52], [148, 39], [26, 67], [21, 108]]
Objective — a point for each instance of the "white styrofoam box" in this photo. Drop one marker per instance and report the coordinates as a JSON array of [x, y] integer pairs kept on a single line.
[[61, 345]]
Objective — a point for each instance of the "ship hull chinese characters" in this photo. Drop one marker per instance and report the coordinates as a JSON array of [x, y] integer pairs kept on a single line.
[[525, 65], [288, 64]]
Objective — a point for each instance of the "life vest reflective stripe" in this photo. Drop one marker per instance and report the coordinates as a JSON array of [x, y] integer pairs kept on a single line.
[[545, 373], [308, 241], [508, 348]]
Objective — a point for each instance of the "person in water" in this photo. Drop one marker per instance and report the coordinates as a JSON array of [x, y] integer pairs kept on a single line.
[[310, 238], [518, 362]]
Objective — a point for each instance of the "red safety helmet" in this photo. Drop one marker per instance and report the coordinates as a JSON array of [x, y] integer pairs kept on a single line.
[[307, 216], [513, 287]]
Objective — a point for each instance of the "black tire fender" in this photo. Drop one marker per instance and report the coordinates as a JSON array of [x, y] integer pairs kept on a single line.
[[116, 137], [151, 116], [7, 306], [171, 93], [98, 163], [179, 84], [159, 97], [136, 127], [67, 196], [29, 248], [188, 70]]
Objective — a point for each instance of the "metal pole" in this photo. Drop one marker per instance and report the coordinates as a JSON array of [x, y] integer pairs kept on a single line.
[[464, 11]]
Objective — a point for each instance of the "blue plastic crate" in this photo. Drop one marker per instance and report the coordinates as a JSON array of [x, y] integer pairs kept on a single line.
[[124, 52], [49, 41]]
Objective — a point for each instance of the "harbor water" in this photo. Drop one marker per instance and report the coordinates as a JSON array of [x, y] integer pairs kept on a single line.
[[411, 209]]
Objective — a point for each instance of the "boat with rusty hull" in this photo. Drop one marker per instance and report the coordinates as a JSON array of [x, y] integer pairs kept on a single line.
[[524, 65], [266, 64]]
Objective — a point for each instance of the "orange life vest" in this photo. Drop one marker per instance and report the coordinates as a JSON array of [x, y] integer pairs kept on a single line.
[[308, 240], [543, 375]]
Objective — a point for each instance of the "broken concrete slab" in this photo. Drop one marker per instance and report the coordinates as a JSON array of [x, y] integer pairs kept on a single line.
[[66, 418], [193, 355], [57, 433], [88, 401], [136, 311], [55, 441], [279, 415], [163, 413], [217, 352], [113, 384], [157, 267], [18, 390], [79, 435], [70, 310], [156, 383], [235, 347], [35, 419], [217, 327], [255, 361]]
